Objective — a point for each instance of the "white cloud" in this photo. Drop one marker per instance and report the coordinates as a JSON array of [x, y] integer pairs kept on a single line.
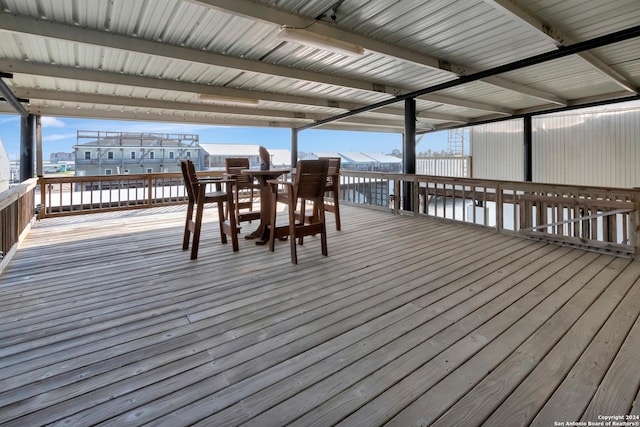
[[52, 122], [58, 136], [10, 118]]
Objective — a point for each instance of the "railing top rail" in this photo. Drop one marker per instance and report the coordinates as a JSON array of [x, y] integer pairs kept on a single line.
[[535, 187], [14, 193], [138, 176]]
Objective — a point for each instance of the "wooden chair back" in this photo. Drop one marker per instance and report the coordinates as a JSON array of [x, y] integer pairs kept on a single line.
[[310, 179], [334, 166], [190, 179], [333, 186], [233, 166]]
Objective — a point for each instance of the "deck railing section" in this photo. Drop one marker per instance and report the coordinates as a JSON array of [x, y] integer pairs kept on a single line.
[[594, 218], [590, 217], [73, 195], [17, 211]]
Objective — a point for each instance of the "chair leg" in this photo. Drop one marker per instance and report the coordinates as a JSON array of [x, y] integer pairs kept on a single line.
[[187, 227], [233, 225], [223, 234], [292, 230], [272, 224], [236, 210], [323, 232], [303, 205], [336, 209], [196, 231]]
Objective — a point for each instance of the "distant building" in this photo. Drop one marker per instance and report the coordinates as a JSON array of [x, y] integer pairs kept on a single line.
[[367, 162], [214, 155], [61, 157], [115, 153]]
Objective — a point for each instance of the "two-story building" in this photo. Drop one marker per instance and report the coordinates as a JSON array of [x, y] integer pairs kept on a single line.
[[116, 153]]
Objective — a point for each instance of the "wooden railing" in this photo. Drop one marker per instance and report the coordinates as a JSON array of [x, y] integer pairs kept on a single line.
[[603, 219], [17, 212], [73, 195]]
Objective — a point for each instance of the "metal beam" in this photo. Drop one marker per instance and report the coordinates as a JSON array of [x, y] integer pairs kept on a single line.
[[73, 73], [551, 109], [25, 25], [465, 103], [79, 111], [133, 44], [561, 52], [47, 70], [11, 99], [271, 15], [163, 104], [554, 34]]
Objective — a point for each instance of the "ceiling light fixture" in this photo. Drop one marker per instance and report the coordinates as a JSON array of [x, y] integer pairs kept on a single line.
[[319, 41], [207, 97]]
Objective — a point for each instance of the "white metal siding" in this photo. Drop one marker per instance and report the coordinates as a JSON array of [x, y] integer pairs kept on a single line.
[[588, 149], [578, 148], [497, 151]]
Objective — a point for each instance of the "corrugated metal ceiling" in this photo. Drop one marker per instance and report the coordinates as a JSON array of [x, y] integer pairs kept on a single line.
[[152, 58]]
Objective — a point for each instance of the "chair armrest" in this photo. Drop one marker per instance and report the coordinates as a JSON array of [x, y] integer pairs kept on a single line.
[[216, 181], [275, 183], [279, 181], [220, 180]]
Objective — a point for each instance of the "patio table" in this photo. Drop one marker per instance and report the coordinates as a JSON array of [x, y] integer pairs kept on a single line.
[[263, 175]]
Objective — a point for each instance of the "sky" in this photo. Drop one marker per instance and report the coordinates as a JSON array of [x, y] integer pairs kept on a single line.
[[59, 135]]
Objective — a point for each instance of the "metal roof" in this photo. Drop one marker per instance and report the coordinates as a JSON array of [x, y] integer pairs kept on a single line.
[[230, 149], [223, 62]]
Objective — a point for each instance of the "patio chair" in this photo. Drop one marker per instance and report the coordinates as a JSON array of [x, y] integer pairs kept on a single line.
[[308, 184], [333, 187], [242, 189], [196, 191]]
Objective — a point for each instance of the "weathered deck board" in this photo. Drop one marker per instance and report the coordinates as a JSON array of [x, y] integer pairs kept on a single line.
[[104, 319]]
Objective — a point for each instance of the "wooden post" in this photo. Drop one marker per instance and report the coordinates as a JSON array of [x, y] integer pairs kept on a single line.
[[499, 208], [634, 220], [43, 198], [396, 199], [416, 196], [150, 192]]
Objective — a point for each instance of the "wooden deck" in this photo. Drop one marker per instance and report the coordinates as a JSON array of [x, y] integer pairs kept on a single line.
[[409, 321]]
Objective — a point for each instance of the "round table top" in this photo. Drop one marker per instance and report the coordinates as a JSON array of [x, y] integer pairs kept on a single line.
[[265, 172]]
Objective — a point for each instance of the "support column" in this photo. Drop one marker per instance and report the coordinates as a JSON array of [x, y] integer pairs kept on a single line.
[[294, 147], [27, 128], [39, 166], [409, 151], [528, 148]]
